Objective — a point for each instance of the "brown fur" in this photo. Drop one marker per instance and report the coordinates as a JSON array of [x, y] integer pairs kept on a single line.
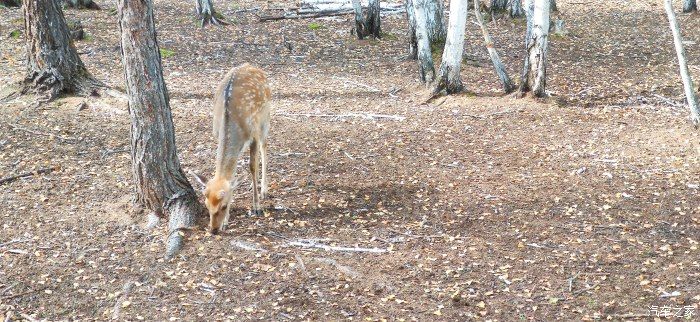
[[244, 94]]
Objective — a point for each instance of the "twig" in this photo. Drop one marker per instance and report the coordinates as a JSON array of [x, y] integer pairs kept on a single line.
[[373, 89], [17, 127], [493, 114], [4, 298], [118, 305], [586, 289], [4, 290], [14, 241], [28, 317], [313, 244], [345, 269], [28, 174], [368, 116]]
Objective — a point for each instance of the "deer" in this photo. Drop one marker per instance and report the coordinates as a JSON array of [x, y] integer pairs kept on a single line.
[[241, 120]]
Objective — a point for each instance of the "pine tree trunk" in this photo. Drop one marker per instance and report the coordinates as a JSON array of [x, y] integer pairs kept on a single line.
[[495, 58], [82, 4], [207, 15], [373, 21], [161, 186], [359, 19], [10, 3], [435, 22], [425, 58], [685, 74], [53, 64], [412, 41], [449, 78], [689, 6], [535, 72], [516, 9]]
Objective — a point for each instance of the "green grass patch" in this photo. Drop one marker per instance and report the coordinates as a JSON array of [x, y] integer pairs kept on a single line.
[[166, 53], [316, 26], [389, 36], [15, 34]]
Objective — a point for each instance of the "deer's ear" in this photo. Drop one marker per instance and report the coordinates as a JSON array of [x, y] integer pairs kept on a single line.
[[200, 180]]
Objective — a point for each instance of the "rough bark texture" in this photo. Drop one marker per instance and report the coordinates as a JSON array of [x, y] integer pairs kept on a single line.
[[534, 72], [685, 75], [689, 6], [495, 58], [425, 57], [373, 20], [161, 186], [359, 19], [82, 4], [207, 15], [53, 64], [412, 40], [10, 3], [449, 78], [516, 9]]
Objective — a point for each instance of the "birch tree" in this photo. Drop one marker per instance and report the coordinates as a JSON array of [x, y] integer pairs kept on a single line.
[[534, 69], [435, 25], [161, 185], [689, 6], [371, 23], [448, 78], [82, 4], [685, 75], [495, 58], [425, 57], [359, 20], [207, 15], [412, 40], [53, 64]]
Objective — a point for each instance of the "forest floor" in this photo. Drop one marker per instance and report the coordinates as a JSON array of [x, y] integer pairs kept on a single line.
[[478, 206]]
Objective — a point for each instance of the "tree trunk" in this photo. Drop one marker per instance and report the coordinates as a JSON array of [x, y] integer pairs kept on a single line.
[[359, 19], [10, 3], [373, 21], [82, 4], [161, 186], [425, 57], [534, 72], [53, 64], [495, 59], [689, 6], [516, 9], [412, 41], [499, 5], [207, 15], [449, 75], [685, 75], [435, 22], [553, 6]]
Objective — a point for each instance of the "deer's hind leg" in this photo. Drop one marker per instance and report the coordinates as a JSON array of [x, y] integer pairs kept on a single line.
[[263, 177], [254, 167]]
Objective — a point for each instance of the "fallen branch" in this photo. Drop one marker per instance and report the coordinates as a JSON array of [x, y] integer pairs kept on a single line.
[[586, 289], [14, 241], [369, 116], [344, 269], [4, 298], [27, 174], [492, 114], [17, 127], [313, 244], [118, 304]]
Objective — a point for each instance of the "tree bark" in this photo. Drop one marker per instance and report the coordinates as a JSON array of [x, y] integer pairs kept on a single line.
[[516, 9], [161, 185], [53, 64], [534, 71], [82, 4], [689, 6], [359, 19], [11, 3], [435, 22], [499, 5], [449, 78], [425, 57], [373, 20], [685, 75], [412, 40], [495, 58], [553, 6], [207, 15]]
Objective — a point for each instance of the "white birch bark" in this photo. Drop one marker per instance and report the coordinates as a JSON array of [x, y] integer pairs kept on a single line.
[[516, 8], [435, 21], [535, 72], [425, 58], [411, 18], [359, 20], [449, 78], [690, 6], [495, 59], [685, 75]]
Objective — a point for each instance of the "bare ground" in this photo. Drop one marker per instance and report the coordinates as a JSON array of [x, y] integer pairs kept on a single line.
[[489, 208]]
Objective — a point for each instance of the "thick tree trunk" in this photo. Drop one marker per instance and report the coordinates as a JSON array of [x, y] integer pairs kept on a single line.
[[534, 71], [412, 40], [53, 64], [516, 9], [685, 75], [495, 58], [425, 57], [10, 3], [359, 19], [553, 6], [373, 21], [435, 22], [82, 4], [449, 78], [207, 15], [161, 186], [499, 5], [689, 6]]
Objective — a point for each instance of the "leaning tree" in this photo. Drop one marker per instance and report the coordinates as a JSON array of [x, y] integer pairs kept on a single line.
[[207, 15], [534, 69], [161, 185], [53, 64], [448, 77]]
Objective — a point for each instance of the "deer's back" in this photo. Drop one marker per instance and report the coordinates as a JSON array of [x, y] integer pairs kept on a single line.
[[244, 94]]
